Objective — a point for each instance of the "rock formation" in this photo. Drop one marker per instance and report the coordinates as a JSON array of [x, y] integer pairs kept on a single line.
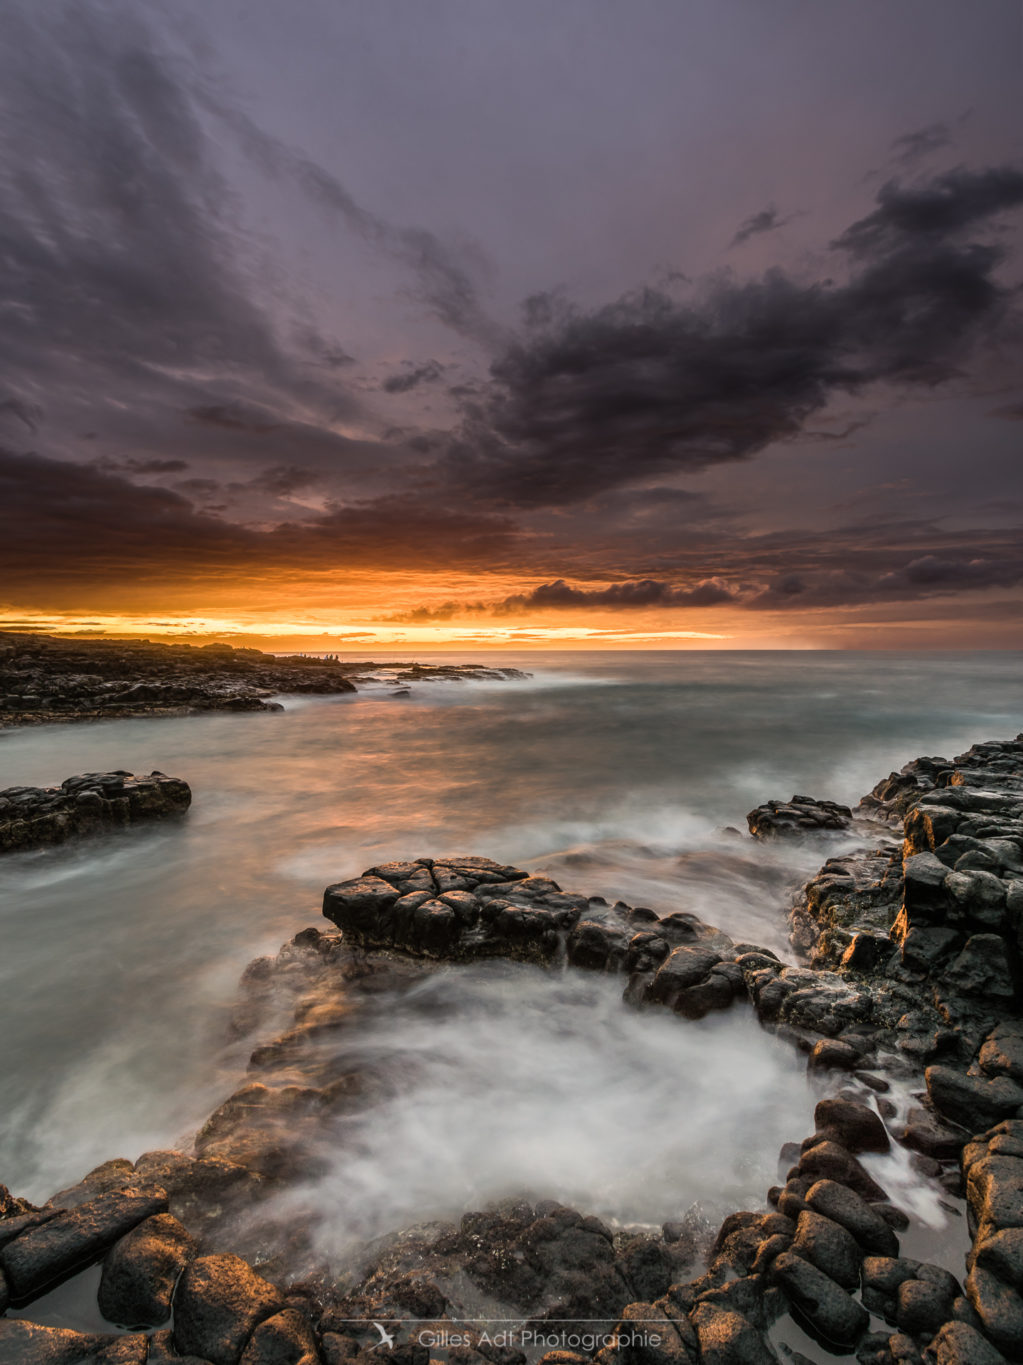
[[46, 679], [31, 817], [871, 1006]]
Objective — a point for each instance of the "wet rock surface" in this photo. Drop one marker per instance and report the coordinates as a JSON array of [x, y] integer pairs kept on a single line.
[[801, 815], [42, 1256], [467, 908], [44, 679], [866, 1011], [140, 1272], [33, 817], [218, 1304]]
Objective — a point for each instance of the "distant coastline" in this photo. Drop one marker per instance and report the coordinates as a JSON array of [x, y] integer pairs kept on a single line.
[[46, 679]]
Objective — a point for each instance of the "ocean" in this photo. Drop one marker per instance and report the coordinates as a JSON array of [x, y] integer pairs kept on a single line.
[[626, 774]]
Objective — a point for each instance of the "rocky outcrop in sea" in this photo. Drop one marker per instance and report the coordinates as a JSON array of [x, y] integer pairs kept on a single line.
[[200, 1264], [45, 679], [33, 817]]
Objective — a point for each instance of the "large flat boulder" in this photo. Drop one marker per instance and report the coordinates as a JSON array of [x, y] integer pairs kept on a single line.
[[44, 1256]]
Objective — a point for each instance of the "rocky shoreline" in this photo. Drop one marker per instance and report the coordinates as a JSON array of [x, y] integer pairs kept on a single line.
[[46, 679], [909, 980], [34, 817]]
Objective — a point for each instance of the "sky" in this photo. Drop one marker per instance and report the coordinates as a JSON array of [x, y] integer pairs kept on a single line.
[[674, 324]]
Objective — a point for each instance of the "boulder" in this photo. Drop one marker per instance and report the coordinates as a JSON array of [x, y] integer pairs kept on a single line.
[[30, 1343], [140, 1272], [833, 1054], [999, 1307], [162, 1352], [922, 1306], [45, 1255], [1002, 1051], [924, 948], [31, 817], [957, 1343], [881, 1278], [684, 966], [854, 1125], [982, 968], [359, 908], [284, 1339], [830, 1161], [928, 1135], [21, 1222], [648, 1266], [219, 1302], [831, 1313], [1001, 1253], [828, 1246], [845, 1207], [969, 1100], [977, 894], [925, 897], [596, 946], [994, 1191], [727, 1338], [130, 1349], [801, 815]]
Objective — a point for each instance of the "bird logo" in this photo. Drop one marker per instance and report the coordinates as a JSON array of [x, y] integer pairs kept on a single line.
[[386, 1339]]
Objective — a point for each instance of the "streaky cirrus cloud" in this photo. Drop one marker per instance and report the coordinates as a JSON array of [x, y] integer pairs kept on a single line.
[[446, 277], [135, 297], [120, 234]]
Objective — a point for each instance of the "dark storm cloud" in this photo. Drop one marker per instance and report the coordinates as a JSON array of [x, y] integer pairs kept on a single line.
[[646, 592], [69, 523], [843, 567], [918, 215], [560, 595], [447, 611], [926, 576], [407, 380], [66, 521], [648, 385], [767, 220]]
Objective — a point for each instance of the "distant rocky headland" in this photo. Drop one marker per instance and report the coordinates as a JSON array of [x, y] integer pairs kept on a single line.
[[46, 679], [907, 978]]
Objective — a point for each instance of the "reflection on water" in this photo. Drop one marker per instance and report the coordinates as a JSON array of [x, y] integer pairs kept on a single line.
[[617, 772]]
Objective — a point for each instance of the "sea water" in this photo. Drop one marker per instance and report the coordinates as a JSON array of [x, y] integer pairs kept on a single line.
[[624, 774]]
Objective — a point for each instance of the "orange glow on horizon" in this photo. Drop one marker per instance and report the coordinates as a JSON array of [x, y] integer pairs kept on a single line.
[[408, 612]]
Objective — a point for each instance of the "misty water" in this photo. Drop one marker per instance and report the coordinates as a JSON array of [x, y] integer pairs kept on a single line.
[[617, 773]]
